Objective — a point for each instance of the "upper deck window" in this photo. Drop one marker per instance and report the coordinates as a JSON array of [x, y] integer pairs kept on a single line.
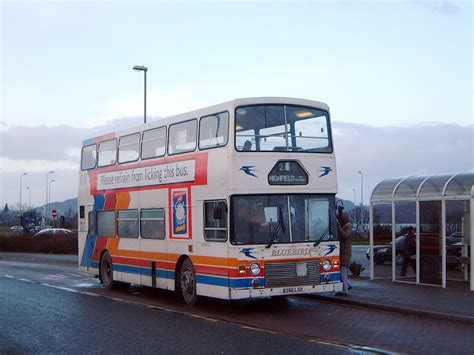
[[107, 153], [154, 143], [182, 137], [129, 148], [89, 157], [284, 128], [214, 131]]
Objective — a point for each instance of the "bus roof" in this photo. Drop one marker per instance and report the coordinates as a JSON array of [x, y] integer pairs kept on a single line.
[[208, 110]]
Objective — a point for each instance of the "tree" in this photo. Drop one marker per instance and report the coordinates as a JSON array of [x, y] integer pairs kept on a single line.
[[6, 210]]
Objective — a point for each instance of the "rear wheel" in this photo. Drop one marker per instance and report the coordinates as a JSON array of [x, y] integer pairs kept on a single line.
[[187, 283], [106, 271]]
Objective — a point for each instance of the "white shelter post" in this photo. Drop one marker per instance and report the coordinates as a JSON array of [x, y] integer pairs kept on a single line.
[[371, 241]]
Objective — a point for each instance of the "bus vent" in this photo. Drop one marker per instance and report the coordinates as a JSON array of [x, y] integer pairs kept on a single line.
[[285, 274]]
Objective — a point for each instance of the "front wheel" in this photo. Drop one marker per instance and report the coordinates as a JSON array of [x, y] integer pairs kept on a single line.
[[187, 283], [106, 271]]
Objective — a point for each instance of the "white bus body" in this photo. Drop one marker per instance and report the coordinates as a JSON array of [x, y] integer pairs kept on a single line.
[[232, 201]]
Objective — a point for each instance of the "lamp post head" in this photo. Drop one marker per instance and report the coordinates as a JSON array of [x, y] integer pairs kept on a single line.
[[140, 68]]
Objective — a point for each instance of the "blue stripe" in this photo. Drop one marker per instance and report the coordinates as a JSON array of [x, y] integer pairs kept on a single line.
[[206, 279], [164, 274], [88, 250], [335, 277]]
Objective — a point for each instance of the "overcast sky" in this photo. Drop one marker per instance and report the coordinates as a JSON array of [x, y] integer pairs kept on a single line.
[[66, 73]]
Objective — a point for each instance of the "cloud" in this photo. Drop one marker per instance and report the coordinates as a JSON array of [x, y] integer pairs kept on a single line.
[[379, 152], [384, 152], [440, 7]]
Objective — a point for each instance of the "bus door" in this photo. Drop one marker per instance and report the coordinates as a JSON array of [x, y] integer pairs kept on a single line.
[[87, 227]]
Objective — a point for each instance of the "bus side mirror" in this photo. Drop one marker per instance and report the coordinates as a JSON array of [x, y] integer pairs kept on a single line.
[[217, 213]]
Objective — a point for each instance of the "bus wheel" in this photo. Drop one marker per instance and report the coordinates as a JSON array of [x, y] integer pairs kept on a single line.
[[106, 271], [187, 283]]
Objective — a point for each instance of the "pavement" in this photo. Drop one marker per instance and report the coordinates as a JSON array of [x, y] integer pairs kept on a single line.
[[455, 303]]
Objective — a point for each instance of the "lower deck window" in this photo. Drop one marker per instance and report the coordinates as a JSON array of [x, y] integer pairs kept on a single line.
[[215, 221], [152, 224], [106, 223], [127, 223]]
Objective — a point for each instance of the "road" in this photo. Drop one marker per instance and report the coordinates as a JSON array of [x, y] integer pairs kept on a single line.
[[52, 308]]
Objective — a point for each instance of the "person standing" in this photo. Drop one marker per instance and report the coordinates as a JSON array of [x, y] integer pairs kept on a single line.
[[344, 228], [409, 247]]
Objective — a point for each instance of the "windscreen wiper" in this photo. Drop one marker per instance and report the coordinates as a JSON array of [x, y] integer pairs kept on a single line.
[[280, 226], [325, 233]]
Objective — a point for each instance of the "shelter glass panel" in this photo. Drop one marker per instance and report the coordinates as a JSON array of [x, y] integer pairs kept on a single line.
[[382, 229], [409, 187], [433, 187], [460, 185], [405, 241], [457, 240], [430, 242], [384, 190]]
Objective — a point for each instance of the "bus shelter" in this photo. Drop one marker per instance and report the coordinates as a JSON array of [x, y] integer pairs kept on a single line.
[[421, 228]]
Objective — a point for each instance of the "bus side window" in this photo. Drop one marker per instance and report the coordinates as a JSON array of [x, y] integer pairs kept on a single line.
[[107, 153], [89, 157], [106, 223], [214, 131], [91, 223], [152, 224], [215, 221]]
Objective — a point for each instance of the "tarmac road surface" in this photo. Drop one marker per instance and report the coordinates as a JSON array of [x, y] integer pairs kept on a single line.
[[55, 308]]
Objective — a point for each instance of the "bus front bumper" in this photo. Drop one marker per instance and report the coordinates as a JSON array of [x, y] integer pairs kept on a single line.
[[241, 293]]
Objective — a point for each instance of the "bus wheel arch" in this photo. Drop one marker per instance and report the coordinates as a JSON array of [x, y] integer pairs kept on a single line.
[[185, 280]]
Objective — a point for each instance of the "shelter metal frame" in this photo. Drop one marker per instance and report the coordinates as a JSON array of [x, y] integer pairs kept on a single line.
[[385, 193]]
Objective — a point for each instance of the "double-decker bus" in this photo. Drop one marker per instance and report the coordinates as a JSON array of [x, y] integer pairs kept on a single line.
[[232, 201]]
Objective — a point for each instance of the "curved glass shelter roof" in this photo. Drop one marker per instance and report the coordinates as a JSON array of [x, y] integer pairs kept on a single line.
[[424, 187]]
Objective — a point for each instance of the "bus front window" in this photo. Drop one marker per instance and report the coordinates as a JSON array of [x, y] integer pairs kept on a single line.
[[260, 219], [286, 128], [264, 219]]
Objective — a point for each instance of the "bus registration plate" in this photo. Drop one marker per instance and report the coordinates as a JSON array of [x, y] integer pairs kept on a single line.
[[293, 290]]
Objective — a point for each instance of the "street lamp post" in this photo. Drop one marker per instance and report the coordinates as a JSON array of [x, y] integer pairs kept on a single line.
[[361, 188], [19, 217], [29, 197], [46, 204], [144, 70], [49, 197], [361, 199], [354, 191]]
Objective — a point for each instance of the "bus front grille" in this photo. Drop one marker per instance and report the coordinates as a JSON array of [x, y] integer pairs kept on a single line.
[[286, 274]]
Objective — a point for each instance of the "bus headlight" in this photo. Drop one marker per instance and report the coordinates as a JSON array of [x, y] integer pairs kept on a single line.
[[255, 269], [327, 265]]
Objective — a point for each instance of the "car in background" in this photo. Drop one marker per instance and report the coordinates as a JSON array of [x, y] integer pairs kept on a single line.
[[17, 229], [383, 253], [54, 232]]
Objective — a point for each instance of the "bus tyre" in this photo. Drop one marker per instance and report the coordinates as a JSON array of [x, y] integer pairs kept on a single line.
[[187, 283], [106, 271]]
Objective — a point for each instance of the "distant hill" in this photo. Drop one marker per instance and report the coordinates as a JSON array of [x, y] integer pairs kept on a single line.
[[62, 207]]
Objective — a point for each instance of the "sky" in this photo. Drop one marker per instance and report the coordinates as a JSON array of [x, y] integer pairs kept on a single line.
[[66, 71]]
